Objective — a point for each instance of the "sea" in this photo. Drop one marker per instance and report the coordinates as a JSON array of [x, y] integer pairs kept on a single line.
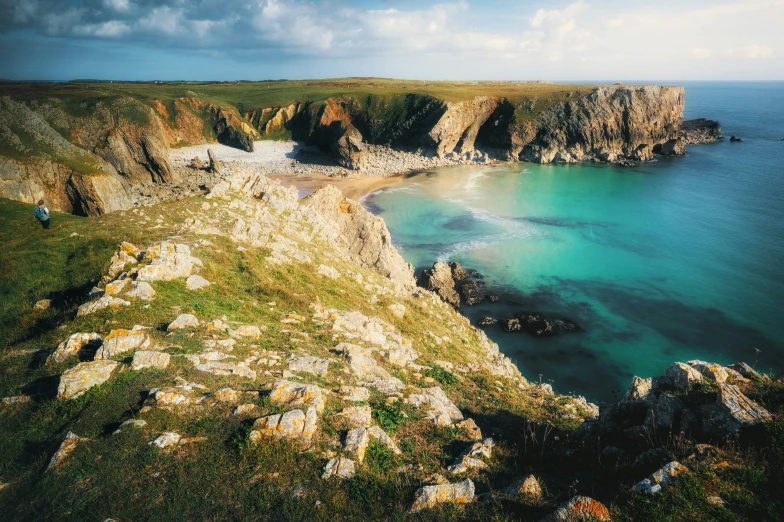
[[678, 259]]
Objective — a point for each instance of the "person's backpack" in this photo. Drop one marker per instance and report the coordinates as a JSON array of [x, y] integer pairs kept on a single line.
[[41, 214]]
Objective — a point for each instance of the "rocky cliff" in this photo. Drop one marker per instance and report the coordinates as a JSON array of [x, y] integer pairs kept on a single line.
[[91, 159], [93, 154], [612, 124]]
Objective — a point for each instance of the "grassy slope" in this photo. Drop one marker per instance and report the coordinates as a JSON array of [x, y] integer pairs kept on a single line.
[[121, 476], [227, 478]]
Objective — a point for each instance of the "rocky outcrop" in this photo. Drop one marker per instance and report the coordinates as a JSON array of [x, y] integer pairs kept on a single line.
[[439, 280], [701, 130], [365, 236]]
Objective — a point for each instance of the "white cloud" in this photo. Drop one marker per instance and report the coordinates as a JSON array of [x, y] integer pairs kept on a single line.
[[701, 52], [121, 6], [163, 20], [757, 51], [110, 29]]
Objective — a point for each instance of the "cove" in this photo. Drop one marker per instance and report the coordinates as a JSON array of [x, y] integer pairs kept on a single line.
[[678, 259]]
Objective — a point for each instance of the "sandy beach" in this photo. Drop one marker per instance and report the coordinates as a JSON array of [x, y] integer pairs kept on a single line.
[[354, 188]]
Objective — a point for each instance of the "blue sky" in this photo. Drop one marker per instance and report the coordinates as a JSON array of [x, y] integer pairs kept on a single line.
[[504, 40]]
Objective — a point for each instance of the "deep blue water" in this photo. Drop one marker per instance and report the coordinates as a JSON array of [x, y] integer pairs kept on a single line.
[[681, 258]]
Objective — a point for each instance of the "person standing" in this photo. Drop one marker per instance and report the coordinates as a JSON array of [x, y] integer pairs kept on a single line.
[[42, 214]]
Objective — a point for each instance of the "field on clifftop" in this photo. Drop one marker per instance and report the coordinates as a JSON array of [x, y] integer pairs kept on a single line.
[[235, 400]]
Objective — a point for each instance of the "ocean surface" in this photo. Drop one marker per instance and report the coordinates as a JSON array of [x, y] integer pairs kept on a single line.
[[679, 259]]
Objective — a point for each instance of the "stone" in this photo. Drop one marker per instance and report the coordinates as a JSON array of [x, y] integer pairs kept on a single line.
[[131, 423], [328, 271], [246, 410], [247, 330], [228, 395], [115, 287], [146, 359], [713, 371], [441, 411], [42, 305], [226, 368], [639, 390], [439, 280], [682, 375], [106, 301], [357, 441], [16, 399], [66, 448], [472, 430], [169, 398], [141, 290], [731, 413], [340, 467], [660, 479], [480, 449], [746, 371], [196, 282], [579, 509], [528, 486], [488, 321], [167, 261], [465, 463], [292, 425], [398, 310], [663, 416], [309, 364], [121, 341], [469, 292], [355, 393], [76, 381], [183, 321], [217, 325], [357, 416], [432, 496], [294, 394], [72, 345], [166, 440]]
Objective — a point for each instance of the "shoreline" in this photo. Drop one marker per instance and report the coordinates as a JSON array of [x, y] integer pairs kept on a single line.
[[353, 188]]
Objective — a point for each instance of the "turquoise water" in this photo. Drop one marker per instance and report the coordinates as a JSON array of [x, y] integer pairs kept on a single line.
[[679, 259]]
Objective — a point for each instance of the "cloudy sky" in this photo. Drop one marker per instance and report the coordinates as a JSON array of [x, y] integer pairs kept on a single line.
[[419, 39]]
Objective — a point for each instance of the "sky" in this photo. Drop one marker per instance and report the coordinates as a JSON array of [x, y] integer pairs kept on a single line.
[[412, 39]]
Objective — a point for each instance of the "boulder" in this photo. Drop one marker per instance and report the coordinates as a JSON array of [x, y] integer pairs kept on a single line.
[[534, 324], [354, 393], [183, 321], [469, 292], [309, 364], [121, 341], [579, 509], [682, 375], [487, 321], [465, 463], [357, 441], [340, 467], [328, 271], [731, 413], [664, 415], [712, 371], [42, 305], [105, 301], [115, 287], [79, 379], [472, 430], [72, 345], [398, 310], [528, 486], [146, 359], [660, 479], [746, 371], [167, 261], [66, 447], [357, 416], [141, 290], [196, 282], [440, 410], [130, 423], [294, 395], [251, 331], [167, 440], [639, 390], [228, 395], [439, 280], [293, 425], [432, 496]]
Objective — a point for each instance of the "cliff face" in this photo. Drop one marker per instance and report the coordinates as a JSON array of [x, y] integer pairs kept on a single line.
[[87, 164], [613, 124]]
